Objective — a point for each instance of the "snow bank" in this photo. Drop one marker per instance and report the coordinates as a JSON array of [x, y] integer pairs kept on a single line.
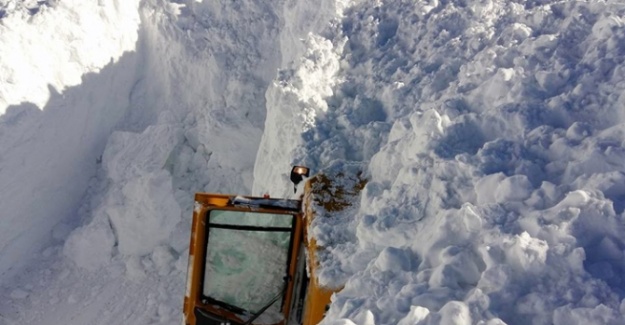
[[296, 94], [50, 141], [185, 135], [139, 210], [493, 137], [55, 43], [185, 110], [193, 113]]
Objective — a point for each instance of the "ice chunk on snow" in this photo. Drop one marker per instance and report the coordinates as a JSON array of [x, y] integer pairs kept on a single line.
[[415, 316], [527, 253], [393, 259], [92, 245], [129, 155], [513, 188], [455, 313], [147, 214], [497, 188]]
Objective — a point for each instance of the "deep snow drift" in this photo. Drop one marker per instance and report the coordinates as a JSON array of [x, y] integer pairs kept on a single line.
[[492, 134]]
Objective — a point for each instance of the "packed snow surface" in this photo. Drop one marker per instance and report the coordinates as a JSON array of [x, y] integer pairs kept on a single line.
[[491, 134]]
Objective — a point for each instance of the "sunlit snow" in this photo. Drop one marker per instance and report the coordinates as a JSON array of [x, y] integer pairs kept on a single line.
[[491, 133]]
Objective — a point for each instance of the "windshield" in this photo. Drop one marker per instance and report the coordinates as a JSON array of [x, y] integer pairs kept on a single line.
[[246, 258]]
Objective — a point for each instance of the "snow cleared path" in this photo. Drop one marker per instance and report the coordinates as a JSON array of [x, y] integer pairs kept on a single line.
[[492, 134]]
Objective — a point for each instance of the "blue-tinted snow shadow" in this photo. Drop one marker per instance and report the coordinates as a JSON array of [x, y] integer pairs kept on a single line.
[[49, 155]]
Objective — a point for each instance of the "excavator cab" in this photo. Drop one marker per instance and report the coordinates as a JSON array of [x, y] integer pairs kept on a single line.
[[250, 258], [243, 259]]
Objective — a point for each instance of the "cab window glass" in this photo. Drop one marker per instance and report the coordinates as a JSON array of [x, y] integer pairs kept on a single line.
[[245, 264]]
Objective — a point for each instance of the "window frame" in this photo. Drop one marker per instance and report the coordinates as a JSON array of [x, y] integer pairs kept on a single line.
[[206, 300]]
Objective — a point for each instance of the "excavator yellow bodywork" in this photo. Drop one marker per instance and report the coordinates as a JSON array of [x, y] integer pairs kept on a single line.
[[252, 261]]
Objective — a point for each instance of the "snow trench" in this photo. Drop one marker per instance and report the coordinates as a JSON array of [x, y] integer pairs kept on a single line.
[[98, 177], [491, 133]]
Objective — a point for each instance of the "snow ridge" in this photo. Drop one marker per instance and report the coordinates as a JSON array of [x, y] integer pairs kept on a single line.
[[492, 132]]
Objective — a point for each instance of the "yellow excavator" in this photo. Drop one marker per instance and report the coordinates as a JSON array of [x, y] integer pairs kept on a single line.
[[252, 259]]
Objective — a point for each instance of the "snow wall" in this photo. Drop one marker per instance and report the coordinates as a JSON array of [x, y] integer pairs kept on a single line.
[[170, 103], [105, 143], [65, 81], [492, 136], [491, 133]]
